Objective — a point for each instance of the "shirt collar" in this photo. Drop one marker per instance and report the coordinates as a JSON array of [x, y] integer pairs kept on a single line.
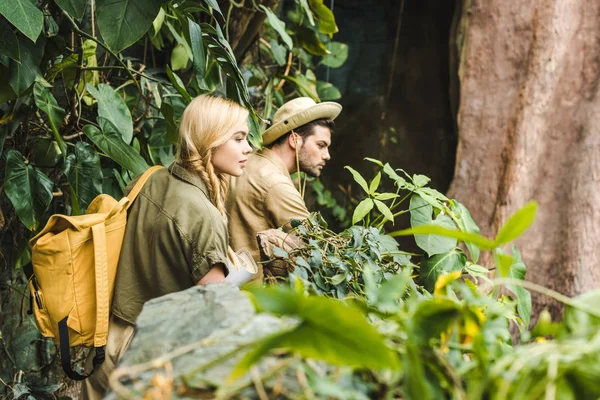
[[275, 159], [188, 176]]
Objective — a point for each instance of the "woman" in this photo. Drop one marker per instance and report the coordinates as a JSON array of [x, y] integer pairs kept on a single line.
[[176, 235]]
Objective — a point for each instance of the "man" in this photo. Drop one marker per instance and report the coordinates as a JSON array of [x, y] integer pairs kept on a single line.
[[264, 197]]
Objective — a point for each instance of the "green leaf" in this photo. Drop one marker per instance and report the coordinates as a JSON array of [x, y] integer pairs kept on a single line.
[[327, 91], [517, 223], [307, 11], [28, 189], [420, 214], [25, 16], [478, 271], [22, 75], [466, 224], [9, 45], [324, 16], [47, 103], [375, 184], [172, 108], [279, 52], [480, 241], [374, 161], [398, 180], [433, 267], [328, 330], [518, 271], [179, 57], [112, 107], [279, 252], [111, 143], [358, 178], [178, 84], [503, 262], [279, 26], [386, 196], [420, 180], [198, 54], [158, 22], [124, 22], [432, 317], [384, 210], [309, 41], [160, 148], [338, 54], [84, 173], [214, 5], [46, 153], [363, 208], [75, 8]]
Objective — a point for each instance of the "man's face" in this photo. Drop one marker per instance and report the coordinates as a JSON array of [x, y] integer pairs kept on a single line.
[[313, 152]]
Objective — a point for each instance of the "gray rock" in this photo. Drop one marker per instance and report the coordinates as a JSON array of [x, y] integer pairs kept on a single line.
[[194, 337]]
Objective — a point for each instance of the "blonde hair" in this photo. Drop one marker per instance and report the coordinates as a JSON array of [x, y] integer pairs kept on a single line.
[[204, 126]]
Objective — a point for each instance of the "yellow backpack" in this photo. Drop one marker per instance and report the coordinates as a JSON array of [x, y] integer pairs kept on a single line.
[[74, 262]]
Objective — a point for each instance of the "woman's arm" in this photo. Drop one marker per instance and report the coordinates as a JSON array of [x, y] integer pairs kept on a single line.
[[216, 274]]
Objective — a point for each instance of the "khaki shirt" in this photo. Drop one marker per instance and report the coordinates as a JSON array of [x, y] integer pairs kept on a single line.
[[174, 236], [264, 197]]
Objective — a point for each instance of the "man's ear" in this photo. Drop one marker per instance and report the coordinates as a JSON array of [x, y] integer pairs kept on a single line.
[[294, 140]]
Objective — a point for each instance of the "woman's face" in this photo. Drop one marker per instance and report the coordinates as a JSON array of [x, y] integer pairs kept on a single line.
[[230, 157]]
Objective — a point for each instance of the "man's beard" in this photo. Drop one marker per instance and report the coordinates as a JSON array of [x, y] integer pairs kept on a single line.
[[306, 166]]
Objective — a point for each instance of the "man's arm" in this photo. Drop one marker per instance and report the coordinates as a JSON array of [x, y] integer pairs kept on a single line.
[[283, 203]]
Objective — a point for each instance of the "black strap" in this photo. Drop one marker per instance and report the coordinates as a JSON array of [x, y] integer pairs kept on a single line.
[[65, 353]]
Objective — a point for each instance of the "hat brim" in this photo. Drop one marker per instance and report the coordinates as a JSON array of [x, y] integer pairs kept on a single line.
[[327, 109]]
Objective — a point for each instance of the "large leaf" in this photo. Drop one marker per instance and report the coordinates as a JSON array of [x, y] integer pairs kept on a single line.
[[434, 316], [28, 189], [74, 7], [420, 214], [124, 22], [278, 25], [47, 103], [24, 16], [22, 75], [480, 241], [358, 178], [363, 208], [198, 53], [324, 16], [309, 40], [338, 54], [466, 224], [112, 107], [517, 223], [9, 45], [84, 172], [178, 84], [432, 267], [517, 271], [161, 149], [111, 143], [327, 91], [328, 330]]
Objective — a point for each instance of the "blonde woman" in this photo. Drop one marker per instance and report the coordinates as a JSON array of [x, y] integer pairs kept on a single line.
[[176, 235]]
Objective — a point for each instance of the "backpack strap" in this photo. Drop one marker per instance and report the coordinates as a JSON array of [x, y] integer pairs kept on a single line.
[[140, 183]]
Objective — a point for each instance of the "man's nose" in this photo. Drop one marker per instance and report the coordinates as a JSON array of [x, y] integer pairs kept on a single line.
[[326, 156]]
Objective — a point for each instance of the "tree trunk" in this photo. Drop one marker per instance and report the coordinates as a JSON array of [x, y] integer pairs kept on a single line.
[[529, 128]]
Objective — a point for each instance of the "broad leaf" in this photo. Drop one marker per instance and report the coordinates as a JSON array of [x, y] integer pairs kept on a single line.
[[179, 58], [112, 107], [307, 11], [434, 316], [47, 103], [161, 149], [384, 210], [278, 25], [22, 75], [327, 91], [517, 224], [28, 189], [111, 143], [324, 17], [466, 224], [198, 54], [339, 333], [432, 267], [25, 16], [84, 173], [338, 54], [9, 45], [308, 39], [178, 84], [518, 271], [46, 153], [479, 241], [375, 184], [74, 7], [358, 178], [363, 208], [124, 22], [420, 214]]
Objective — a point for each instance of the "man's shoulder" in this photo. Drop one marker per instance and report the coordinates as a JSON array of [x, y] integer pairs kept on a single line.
[[263, 171]]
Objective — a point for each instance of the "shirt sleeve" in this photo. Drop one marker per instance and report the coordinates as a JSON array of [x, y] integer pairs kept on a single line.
[[283, 203], [207, 245]]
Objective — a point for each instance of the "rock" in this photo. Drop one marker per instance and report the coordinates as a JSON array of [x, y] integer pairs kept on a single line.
[[188, 343]]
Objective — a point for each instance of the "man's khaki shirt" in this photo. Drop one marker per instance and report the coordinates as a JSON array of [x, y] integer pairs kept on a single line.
[[264, 197], [174, 236]]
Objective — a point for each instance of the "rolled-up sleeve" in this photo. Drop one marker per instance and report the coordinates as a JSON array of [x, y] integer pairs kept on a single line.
[[207, 245], [284, 203]]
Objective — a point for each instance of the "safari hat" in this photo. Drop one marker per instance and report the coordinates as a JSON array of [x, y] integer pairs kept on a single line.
[[298, 112]]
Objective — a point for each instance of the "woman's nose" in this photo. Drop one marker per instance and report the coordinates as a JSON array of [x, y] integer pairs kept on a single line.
[[248, 148]]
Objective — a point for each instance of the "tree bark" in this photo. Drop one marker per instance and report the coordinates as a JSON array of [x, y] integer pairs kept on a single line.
[[529, 128]]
